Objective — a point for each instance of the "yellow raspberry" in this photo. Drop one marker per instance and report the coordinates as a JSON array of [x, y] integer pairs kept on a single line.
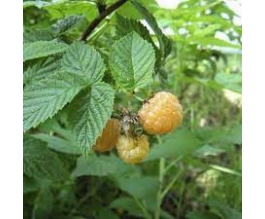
[[161, 114], [109, 136], [132, 150]]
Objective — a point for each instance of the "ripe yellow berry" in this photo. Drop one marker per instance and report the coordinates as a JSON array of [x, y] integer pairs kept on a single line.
[[132, 150], [161, 114], [109, 136]]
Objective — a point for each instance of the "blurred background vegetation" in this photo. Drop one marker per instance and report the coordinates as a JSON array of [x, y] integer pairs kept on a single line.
[[197, 168]]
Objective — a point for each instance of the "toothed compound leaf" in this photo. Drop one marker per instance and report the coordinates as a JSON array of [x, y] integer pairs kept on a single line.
[[63, 25], [164, 41], [45, 98], [85, 61], [40, 49], [82, 65], [30, 36], [61, 9], [126, 26], [41, 70], [132, 61], [89, 113]]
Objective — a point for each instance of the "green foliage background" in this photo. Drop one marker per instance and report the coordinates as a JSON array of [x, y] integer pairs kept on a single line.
[[71, 89]]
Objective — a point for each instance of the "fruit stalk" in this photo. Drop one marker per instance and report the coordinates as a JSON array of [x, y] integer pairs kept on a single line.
[[161, 181]]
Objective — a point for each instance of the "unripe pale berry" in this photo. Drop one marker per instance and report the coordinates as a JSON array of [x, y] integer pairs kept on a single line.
[[109, 136], [132, 150], [161, 114]]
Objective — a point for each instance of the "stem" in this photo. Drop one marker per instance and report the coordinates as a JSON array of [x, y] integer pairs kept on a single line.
[[139, 98], [182, 197], [161, 180], [162, 171], [173, 163], [159, 140], [191, 119], [99, 31], [104, 13], [145, 212], [170, 185]]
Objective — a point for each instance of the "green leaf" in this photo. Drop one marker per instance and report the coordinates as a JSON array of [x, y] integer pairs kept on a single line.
[[229, 135], [90, 113], [132, 61], [93, 165], [230, 81], [130, 205], [234, 134], [85, 61], [66, 24], [41, 70], [225, 210], [38, 4], [166, 215], [209, 30], [164, 41], [213, 19], [30, 36], [127, 10], [224, 8], [104, 213], [167, 45], [59, 10], [82, 64], [126, 204], [30, 184], [178, 143], [202, 215], [143, 188], [104, 165], [39, 162], [211, 41], [58, 144], [40, 49], [125, 26], [43, 204], [55, 127], [208, 150], [45, 98]]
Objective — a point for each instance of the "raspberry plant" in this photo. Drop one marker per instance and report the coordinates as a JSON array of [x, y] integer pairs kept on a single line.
[[121, 118]]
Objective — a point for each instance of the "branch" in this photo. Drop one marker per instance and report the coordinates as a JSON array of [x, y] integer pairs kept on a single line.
[[101, 7], [101, 17]]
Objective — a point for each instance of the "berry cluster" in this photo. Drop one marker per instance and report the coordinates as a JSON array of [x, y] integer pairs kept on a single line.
[[160, 114]]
